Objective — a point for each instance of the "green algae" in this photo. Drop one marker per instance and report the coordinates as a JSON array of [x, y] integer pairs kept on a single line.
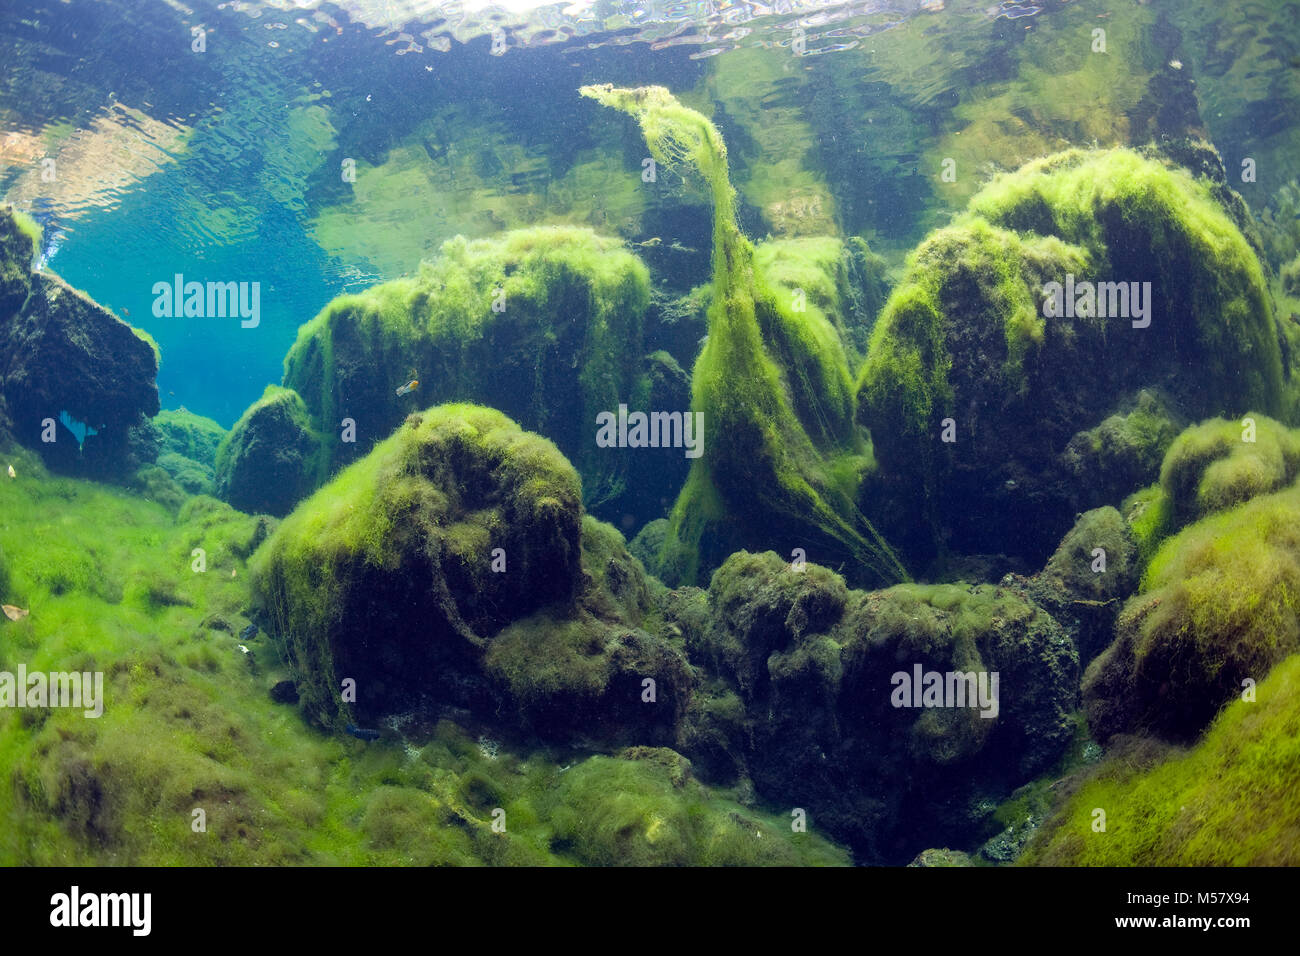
[[1219, 604], [1228, 801], [773, 385], [502, 321], [188, 725]]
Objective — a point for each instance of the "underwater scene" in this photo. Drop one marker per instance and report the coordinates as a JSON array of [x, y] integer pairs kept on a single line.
[[650, 433]]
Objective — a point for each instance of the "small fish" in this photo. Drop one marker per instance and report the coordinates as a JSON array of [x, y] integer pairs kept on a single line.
[[12, 473], [14, 613], [126, 312], [1011, 484], [410, 386], [248, 633], [243, 648], [361, 733], [233, 572], [1176, 64]]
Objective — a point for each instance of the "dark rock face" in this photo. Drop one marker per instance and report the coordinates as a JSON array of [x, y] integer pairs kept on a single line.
[[266, 463], [63, 352], [284, 692], [804, 699]]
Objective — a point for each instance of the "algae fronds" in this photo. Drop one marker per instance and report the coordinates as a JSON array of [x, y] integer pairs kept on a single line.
[[774, 383]]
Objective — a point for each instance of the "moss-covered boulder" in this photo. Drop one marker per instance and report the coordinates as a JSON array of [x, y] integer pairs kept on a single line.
[[1219, 606], [268, 460], [189, 435], [1231, 800], [1211, 467], [806, 702], [782, 457], [545, 324], [1091, 574], [453, 566], [1219, 464], [589, 670], [385, 575], [975, 385], [642, 807], [1106, 463]]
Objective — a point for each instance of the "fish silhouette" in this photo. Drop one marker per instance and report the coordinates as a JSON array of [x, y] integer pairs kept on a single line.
[[362, 734]]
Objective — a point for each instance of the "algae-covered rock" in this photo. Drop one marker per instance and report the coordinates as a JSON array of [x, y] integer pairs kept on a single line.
[[20, 237], [782, 457], [267, 462], [1122, 453], [1220, 605], [814, 668], [941, 857], [62, 355], [385, 575], [189, 435], [1218, 464], [1290, 275], [642, 808], [975, 382], [589, 670], [1229, 801], [545, 324], [1089, 576], [1211, 467]]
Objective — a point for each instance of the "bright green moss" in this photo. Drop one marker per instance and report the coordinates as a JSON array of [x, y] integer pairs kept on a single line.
[[644, 809], [544, 324], [1150, 519], [773, 385], [1219, 464], [190, 435], [1220, 603], [28, 226], [1118, 204], [1229, 801]]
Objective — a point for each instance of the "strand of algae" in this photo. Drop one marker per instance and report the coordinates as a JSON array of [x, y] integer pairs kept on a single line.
[[762, 473]]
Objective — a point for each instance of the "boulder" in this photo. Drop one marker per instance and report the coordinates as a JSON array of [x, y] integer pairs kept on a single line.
[[973, 391], [806, 699], [269, 459]]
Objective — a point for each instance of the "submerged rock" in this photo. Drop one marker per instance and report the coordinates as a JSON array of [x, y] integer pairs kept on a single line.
[[1220, 606], [971, 389], [453, 567], [268, 461], [1089, 576], [783, 456], [805, 701], [61, 352], [545, 324]]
